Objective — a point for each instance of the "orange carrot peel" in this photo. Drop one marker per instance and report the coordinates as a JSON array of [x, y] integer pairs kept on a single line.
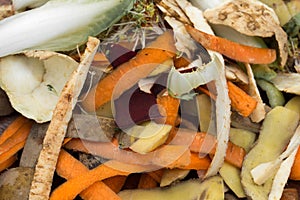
[[7, 163], [13, 139], [233, 50], [77, 184], [295, 171], [234, 155], [168, 107], [241, 102], [12, 128], [68, 167], [140, 66]]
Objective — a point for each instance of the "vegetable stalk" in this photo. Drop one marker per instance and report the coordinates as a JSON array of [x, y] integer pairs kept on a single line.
[[59, 25]]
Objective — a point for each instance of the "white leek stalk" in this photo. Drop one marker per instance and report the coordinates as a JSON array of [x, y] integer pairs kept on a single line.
[[59, 25], [23, 4]]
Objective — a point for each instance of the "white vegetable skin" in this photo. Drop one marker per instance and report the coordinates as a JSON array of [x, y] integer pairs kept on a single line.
[[264, 171], [188, 81], [59, 25], [281, 177], [223, 122], [259, 112]]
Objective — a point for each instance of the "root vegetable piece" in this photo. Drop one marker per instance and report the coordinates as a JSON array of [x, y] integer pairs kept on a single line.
[[240, 100], [68, 167], [45, 167], [151, 137], [273, 139], [15, 142], [212, 189]]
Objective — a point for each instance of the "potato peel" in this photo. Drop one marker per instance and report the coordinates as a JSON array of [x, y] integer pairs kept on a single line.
[[260, 173], [274, 136]]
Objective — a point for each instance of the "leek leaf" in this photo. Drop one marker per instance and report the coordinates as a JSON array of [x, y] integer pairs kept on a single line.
[[59, 25]]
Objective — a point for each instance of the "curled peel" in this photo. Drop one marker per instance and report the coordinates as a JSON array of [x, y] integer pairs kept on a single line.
[[251, 18], [34, 80], [195, 17]]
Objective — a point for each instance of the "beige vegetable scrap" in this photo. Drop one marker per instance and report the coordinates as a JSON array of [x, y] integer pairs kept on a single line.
[[287, 82], [259, 113], [33, 81], [250, 17], [45, 167]]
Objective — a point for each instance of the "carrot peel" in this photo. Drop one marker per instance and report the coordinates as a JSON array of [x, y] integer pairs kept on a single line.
[[75, 185], [233, 50], [139, 67], [69, 167], [240, 100]]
